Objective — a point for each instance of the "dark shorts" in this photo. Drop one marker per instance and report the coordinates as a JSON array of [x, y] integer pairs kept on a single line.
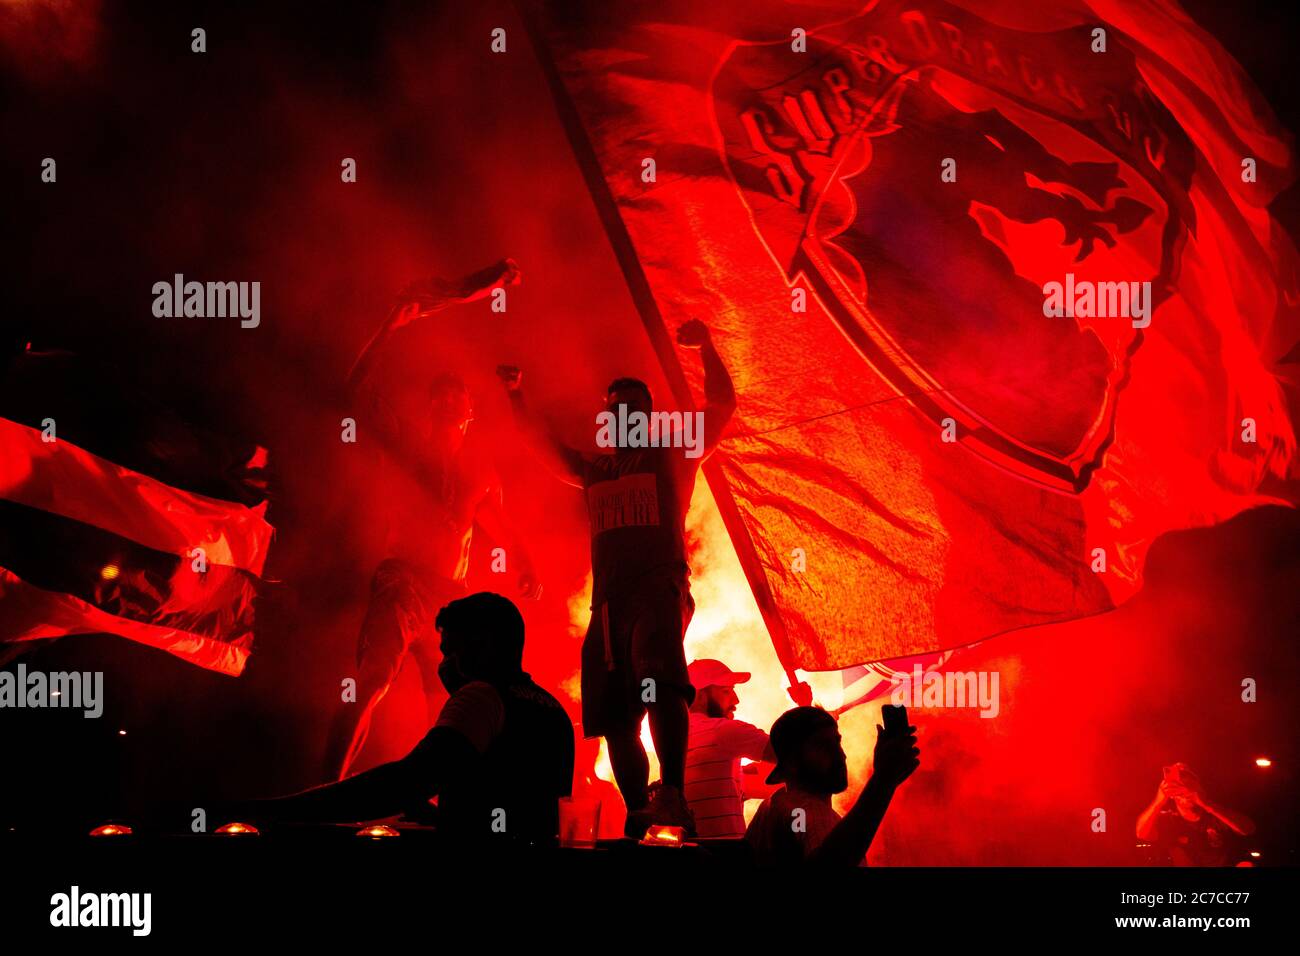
[[633, 638]]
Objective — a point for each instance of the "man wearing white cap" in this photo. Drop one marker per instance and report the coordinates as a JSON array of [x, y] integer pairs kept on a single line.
[[717, 742]]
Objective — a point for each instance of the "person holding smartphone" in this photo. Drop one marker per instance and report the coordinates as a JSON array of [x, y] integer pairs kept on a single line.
[[1186, 826], [797, 824]]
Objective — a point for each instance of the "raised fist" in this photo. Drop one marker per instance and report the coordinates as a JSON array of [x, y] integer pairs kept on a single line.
[[801, 693], [692, 334]]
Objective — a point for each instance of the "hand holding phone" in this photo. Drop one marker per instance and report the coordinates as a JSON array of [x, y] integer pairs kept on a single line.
[[896, 754], [895, 719]]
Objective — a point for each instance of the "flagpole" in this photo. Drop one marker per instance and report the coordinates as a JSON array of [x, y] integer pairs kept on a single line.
[[657, 330]]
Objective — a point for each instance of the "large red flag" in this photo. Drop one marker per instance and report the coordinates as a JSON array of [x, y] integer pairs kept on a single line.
[[997, 282]]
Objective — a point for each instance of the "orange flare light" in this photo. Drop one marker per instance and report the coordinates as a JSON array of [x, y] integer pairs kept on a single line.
[[109, 572], [664, 836], [111, 829], [237, 829], [1263, 762], [377, 831]]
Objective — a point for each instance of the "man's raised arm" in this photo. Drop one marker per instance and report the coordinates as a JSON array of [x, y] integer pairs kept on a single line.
[[719, 393], [564, 462], [1147, 829], [895, 759], [1237, 820], [425, 298]]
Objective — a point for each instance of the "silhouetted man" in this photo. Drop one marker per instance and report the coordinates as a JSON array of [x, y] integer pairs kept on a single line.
[[637, 498], [797, 824], [498, 759], [715, 780], [1186, 827], [435, 486]]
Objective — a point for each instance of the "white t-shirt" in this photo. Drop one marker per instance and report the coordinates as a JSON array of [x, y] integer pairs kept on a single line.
[[713, 778], [477, 712]]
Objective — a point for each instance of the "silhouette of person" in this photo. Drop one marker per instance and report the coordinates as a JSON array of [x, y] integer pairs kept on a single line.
[[1186, 827], [436, 486], [797, 824], [499, 757], [633, 661], [715, 780]]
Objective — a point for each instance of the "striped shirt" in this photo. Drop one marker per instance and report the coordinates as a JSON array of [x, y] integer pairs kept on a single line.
[[713, 779]]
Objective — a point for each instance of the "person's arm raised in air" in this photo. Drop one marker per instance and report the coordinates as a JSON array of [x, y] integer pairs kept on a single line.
[[564, 462], [417, 301], [425, 298], [1147, 820], [895, 759], [1238, 821], [719, 393]]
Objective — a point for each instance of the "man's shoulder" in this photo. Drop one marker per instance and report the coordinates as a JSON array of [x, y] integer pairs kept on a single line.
[[812, 807], [477, 690], [730, 733], [770, 832], [476, 697], [531, 692], [761, 820], [781, 799], [704, 721], [778, 805], [789, 825], [475, 711], [744, 728], [537, 716]]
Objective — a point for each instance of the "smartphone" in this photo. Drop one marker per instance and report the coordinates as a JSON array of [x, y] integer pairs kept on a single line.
[[895, 718]]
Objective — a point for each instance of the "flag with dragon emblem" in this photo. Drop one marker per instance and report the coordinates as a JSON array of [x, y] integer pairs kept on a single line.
[[997, 283]]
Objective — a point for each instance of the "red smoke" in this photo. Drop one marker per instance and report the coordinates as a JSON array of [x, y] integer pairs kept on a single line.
[[461, 161]]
